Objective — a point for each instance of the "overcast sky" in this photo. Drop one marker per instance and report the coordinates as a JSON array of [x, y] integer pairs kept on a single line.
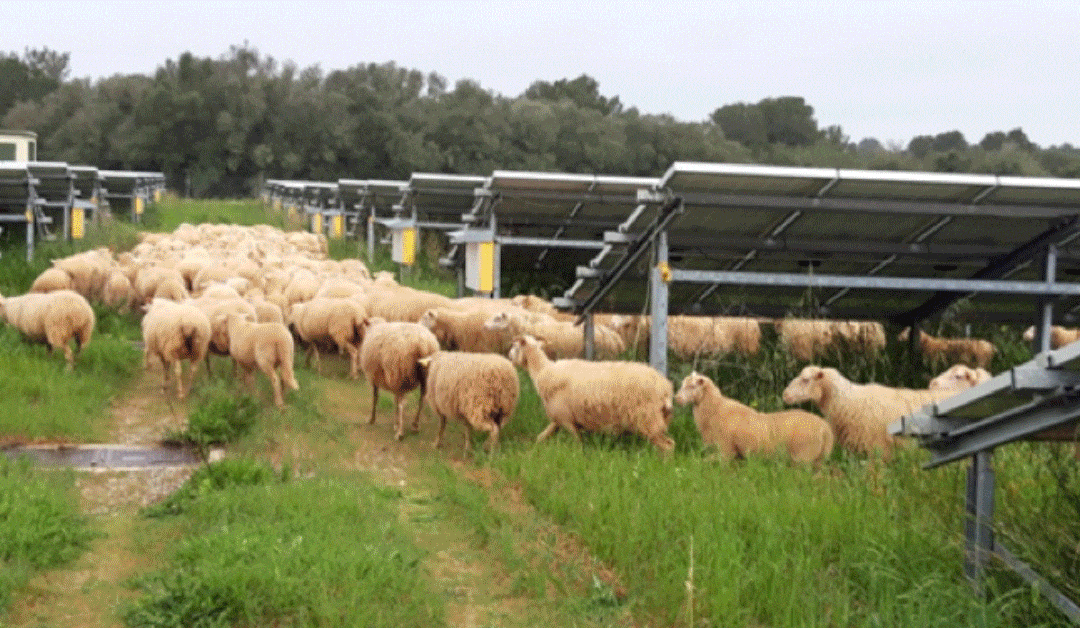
[[886, 69]]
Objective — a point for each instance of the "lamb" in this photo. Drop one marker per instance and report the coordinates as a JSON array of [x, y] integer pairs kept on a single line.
[[970, 351], [860, 413], [1059, 336], [173, 332], [338, 324], [613, 397], [959, 377], [562, 339], [737, 429], [53, 317], [389, 358], [268, 346], [480, 390], [52, 279], [464, 330]]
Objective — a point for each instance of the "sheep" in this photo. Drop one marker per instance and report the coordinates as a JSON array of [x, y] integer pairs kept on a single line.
[[268, 346], [173, 332], [737, 429], [117, 291], [404, 304], [336, 323], [480, 390], [613, 397], [807, 339], [938, 351], [533, 303], [52, 279], [171, 289], [958, 377], [388, 358], [561, 339], [53, 317], [860, 413], [1059, 336], [464, 330]]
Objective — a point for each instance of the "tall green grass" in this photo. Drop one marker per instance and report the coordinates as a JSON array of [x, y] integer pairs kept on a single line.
[[324, 551], [40, 526], [171, 211]]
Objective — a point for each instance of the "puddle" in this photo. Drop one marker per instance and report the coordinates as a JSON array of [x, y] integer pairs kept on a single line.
[[106, 456]]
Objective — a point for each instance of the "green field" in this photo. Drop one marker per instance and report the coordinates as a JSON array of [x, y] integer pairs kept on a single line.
[[301, 540]]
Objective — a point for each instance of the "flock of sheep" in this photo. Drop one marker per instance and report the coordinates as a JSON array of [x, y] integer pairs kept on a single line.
[[255, 293]]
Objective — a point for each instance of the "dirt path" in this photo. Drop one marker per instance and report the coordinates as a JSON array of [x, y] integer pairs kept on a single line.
[[516, 570]]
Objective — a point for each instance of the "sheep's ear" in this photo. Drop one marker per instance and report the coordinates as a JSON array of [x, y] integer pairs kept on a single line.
[[424, 362], [820, 374]]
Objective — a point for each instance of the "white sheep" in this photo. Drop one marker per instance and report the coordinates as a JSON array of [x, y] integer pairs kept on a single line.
[[404, 304], [117, 291], [561, 339], [959, 377], [479, 389], [612, 397], [173, 332], [53, 317], [52, 279], [737, 429], [331, 323], [940, 351], [266, 346], [389, 358], [860, 413], [459, 330], [1059, 336]]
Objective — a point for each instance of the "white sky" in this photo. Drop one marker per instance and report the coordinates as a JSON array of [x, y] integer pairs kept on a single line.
[[886, 69]]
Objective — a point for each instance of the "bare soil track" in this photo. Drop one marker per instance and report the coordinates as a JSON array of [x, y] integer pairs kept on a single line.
[[529, 573]]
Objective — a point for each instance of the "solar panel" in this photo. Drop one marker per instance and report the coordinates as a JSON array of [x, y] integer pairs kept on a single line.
[[751, 219]]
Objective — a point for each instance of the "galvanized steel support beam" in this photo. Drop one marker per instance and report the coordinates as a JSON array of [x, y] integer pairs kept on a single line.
[[978, 525], [658, 289], [1049, 275], [589, 330]]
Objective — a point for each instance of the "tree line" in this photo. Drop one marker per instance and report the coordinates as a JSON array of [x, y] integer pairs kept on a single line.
[[219, 127]]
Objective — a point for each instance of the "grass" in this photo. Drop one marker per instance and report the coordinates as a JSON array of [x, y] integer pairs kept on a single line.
[[40, 526], [334, 555]]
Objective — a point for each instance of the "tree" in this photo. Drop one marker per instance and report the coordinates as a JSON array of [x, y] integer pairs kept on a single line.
[[583, 91], [743, 123], [33, 76], [948, 141]]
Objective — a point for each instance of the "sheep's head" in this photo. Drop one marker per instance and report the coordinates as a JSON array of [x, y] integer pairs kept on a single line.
[[959, 377], [519, 349], [1029, 334], [498, 321], [692, 389], [429, 318], [904, 335], [423, 364], [806, 387]]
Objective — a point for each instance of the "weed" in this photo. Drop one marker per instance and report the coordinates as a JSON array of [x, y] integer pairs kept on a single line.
[[220, 416]]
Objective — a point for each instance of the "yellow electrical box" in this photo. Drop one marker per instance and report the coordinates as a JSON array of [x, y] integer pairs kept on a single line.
[[480, 266], [337, 226], [139, 205], [316, 223], [29, 216], [157, 195], [404, 245], [78, 223]]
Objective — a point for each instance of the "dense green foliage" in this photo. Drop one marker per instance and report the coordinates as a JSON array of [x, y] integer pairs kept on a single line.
[[40, 526], [334, 556], [218, 127]]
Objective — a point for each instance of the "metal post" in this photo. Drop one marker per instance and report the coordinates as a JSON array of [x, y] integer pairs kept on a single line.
[[589, 330], [30, 226], [978, 527], [371, 235], [496, 263], [659, 290], [460, 271], [1049, 274]]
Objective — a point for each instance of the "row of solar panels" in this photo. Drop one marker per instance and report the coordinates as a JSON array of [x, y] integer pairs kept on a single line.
[[55, 200], [766, 227]]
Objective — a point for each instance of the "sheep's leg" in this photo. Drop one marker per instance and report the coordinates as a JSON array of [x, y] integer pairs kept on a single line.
[[399, 403], [442, 428], [178, 367], [548, 431], [275, 383], [493, 440], [416, 419], [69, 356], [318, 358], [192, 371], [354, 361], [374, 401]]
